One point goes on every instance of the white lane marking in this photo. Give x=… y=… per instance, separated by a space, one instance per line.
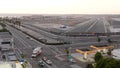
x=81 y=24
x=21 y=40
x=59 y=58
x=91 y=27
x=56 y=49
x=75 y=66
x=105 y=26
x=18 y=53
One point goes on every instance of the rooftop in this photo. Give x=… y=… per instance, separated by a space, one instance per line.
x=10 y=65
x=85 y=49
x=5 y=35
x=116 y=53
x=101 y=45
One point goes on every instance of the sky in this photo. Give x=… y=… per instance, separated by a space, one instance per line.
x=60 y=6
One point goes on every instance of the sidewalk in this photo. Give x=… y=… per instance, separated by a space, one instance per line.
x=79 y=57
x=28 y=65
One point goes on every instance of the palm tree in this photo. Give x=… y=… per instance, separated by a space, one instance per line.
x=98 y=39
x=22 y=56
x=18 y=23
x=109 y=40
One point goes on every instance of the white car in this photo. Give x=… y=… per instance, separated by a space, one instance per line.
x=34 y=55
x=31 y=39
x=72 y=60
x=28 y=37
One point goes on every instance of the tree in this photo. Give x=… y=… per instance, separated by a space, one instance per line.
x=98 y=39
x=98 y=56
x=109 y=52
x=109 y=40
x=108 y=63
x=90 y=66
x=67 y=50
x=18 y=23
x=22 y=56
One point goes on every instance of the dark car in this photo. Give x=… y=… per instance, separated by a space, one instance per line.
x=3 y=56
x=41 y=63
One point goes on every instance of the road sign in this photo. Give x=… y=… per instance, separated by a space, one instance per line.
x=21 y=60
x=69 y=56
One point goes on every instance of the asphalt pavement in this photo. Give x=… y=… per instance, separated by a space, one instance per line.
x=25 y=46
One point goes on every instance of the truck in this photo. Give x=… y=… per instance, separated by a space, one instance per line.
x=37 y=51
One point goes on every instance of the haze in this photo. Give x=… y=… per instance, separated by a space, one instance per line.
x=60 y=6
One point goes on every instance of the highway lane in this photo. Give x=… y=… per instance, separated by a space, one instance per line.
x=59 y=38
x=106 y=24
x=91 y=26
x=65 y=38
x=80 y=39
x=82 y=27
x=98 y=27
x=22 y=45
x=22 y=36
x=88 y=42
x=77 y=26
x=49 y=52
x=69 y=39
x=34 y=43
x=38 y=30
x=115 y=22
x=41 y=34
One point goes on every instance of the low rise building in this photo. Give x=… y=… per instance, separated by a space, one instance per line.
x=10 y=65
x=116 y=53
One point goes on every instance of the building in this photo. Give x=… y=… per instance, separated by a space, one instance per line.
x=6 y=41
x=101 y=48
x=10 y=65
x=116 y=53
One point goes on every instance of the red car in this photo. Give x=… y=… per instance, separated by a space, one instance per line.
x=49 y=62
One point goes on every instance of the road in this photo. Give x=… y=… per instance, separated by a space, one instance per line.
x=37 y=33
x=98 y=27
x=94 y=25
x=82 y=27
x=25 y=46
